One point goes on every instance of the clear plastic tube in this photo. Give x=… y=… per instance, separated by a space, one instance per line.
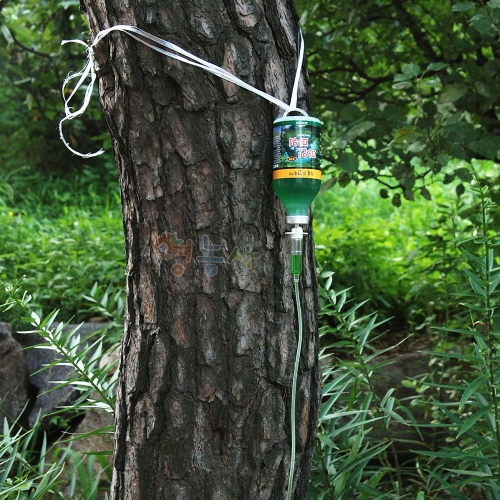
x=294 y=382
x=296 y=250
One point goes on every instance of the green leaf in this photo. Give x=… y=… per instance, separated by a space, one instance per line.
x=425 y=193
x=344 y=179
x=363 y=458
x=453 y=454
x=472 y=420
x=442 y=159
x=490 y=417
x=448 y=178
x=326 y=440
x=348 y=162
x=476 y=283
x=353 y=423
x=368 y=489
x=417 y=147
x=465 y=472
x=409 y=194
x=35 y=318
x=449 y=488
x=463 y=7
x=471 y=389
x=395 y=416
x=484 y=89
x=402 y=134
x=325 y=186
x=437 y=66
x=452 y=93
x=482 y=23
x=411 y=69
x=401 y=171
x=482 y=441
x=402 y=85
x=400 y=77
x=350 y=113
x=368 y=174
x=487 y=147
x=6 y=34
x=463 y=174
x=358 y=130
x=493 y=4
x=412 y=419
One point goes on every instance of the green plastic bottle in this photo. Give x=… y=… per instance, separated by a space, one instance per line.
x=297 y=164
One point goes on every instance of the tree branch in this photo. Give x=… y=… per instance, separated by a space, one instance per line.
x=26 y=48
x=415 y=30
x=354 y=96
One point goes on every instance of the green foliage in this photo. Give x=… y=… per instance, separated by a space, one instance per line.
x=63 y=234
x=403 y=88
x=459 y=394
x=408 y=95
x=471 y=460
x=33 y=65
x=359 y=237
x=33 y=472
x=433 y=270
x=91 y=380
x=404 y=260
x=349 y=461
x=24 y=476
x=109 y=306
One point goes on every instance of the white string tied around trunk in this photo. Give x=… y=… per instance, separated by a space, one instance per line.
x=170 y=50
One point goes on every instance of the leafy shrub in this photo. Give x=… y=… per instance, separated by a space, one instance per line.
x=460 y=394
x=62 y=235
x=405 y=260
x=31 y=471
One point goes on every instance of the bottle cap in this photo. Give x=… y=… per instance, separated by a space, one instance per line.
x=297 y=219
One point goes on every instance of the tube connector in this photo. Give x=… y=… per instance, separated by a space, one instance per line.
x=297 y=233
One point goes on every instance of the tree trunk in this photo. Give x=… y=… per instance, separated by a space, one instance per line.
x=203 y=403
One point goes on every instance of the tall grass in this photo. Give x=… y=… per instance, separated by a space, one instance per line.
x=457 y=447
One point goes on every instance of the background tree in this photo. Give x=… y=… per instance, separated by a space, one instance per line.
x=207 y=357
x=33 y=65
x=406 y=89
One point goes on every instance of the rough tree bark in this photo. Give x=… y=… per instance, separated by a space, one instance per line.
x=208 y=351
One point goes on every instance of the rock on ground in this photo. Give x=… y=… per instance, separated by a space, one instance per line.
x=14 y=385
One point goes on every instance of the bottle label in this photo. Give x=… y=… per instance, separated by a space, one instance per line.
x=297 y=146
x=294 y=173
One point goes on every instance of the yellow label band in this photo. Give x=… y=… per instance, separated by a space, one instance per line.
x=297 y=173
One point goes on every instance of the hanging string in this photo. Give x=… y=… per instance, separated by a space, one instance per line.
x=170 y=50
x=295 y=90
